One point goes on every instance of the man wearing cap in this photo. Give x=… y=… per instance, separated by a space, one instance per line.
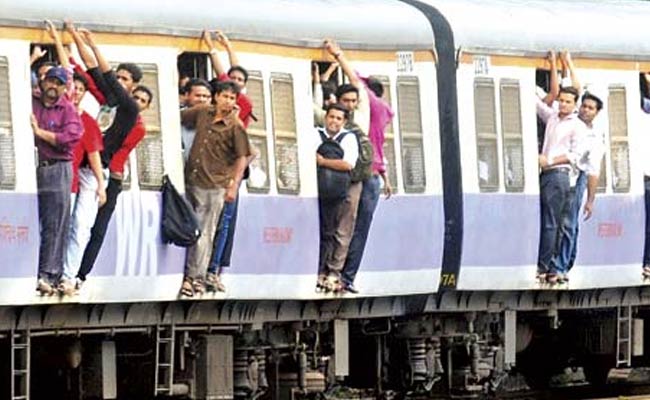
x=57 y=129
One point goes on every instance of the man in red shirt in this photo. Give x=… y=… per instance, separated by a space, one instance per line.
x=88 y=187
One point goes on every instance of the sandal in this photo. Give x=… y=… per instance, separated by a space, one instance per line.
x=213 y=283
x=198 y=286
x=186 y=288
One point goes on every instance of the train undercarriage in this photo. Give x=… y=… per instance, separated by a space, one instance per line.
x=358 y=348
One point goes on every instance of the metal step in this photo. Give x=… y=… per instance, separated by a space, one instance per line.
x=165 y=341
x=20 y=365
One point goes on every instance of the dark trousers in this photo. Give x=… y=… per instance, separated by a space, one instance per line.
x=53 y=184
x=367 y=205
x=646 y=248
x=225 y=234
x=554 y=195
x=98 y=232
x=329 y=215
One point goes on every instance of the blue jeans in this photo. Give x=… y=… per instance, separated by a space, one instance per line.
x=224 y=229
x=367 y=205
x=646 y=249
x=571 y=223
x=554 y=195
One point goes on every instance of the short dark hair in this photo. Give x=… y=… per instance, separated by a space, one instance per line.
x=80 y=78
x=594 y=98
x=345 y=88
x=134 y=70
x=228 y=86
x=196 y=82
x=376 y=86
x=572 y=91
x=146 y=90
x=338 y=107
x=240 y=69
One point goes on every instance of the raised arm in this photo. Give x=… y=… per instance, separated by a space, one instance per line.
x=335 y=51
x=89 y=39
x=328 y=73
x=567 y=65
x=225 y=42
x=37 y=53
x=86 y=55
x=554 y=90
x=217 y=67
x=58 y=44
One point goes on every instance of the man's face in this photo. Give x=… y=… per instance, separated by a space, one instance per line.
x=79 y=92
x=199 y=94
x=567 y=103
x=225 y=101
x=125 y=79
x=52 y=88
x=238 y=78
x=588 y=110
x=334 y=121
x=142 y=99
x=350 y=100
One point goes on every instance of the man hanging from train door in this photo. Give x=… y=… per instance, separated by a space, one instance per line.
x=584 y=174
x=354 y=97
x=645 y=106
x=223 y=242
x=122 y=127
x=57 y=129
x=563 y=137
x=336 y=154
x=213 y=173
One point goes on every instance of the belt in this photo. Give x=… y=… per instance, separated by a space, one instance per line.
x=48 y=163
x=555 y=171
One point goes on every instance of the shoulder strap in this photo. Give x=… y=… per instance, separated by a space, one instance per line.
x=323 y=136
x=340 y=137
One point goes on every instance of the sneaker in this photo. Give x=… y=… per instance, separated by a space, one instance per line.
x=78 y=283
x=44 y=287
x=66 y=287
x=350 y=288
x=646 y=271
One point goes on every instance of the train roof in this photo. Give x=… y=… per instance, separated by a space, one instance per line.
x=359 y=24
x=588 y=28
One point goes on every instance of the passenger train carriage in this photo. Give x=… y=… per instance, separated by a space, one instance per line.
x=451 y=257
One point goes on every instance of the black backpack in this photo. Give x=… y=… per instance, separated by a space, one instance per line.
x=179 y=224
x=332 y=184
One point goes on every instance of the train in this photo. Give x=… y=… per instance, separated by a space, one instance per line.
x=447 y=284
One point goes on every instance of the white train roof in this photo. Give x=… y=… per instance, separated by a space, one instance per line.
x=588 y=28
x=360 y=24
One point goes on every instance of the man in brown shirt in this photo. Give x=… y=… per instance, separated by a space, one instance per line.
x=213 y=172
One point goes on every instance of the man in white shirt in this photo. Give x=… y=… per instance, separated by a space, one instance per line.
x=331 y=210
x=561 y=148
x=587 y=171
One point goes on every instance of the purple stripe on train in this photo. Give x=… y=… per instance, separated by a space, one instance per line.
x=275 y=235
x=503 y=230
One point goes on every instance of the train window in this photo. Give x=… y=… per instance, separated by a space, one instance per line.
x=512 y=145
x=284 y=132
x=486 y=135
x=7 y=157
x=389 y=143
x=619 y=148
x=258 y=180
x=410 y=126
x=149 y=151
x=192 y=65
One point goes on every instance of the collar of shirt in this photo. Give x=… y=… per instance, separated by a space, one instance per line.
x=60 y=102
x=227 y=120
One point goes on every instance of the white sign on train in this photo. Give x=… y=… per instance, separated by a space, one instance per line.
x=405 y=60
x=481 y=65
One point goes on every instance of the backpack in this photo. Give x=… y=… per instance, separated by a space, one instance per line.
x=179 y=224
x=332 y=184
x=363 y=168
